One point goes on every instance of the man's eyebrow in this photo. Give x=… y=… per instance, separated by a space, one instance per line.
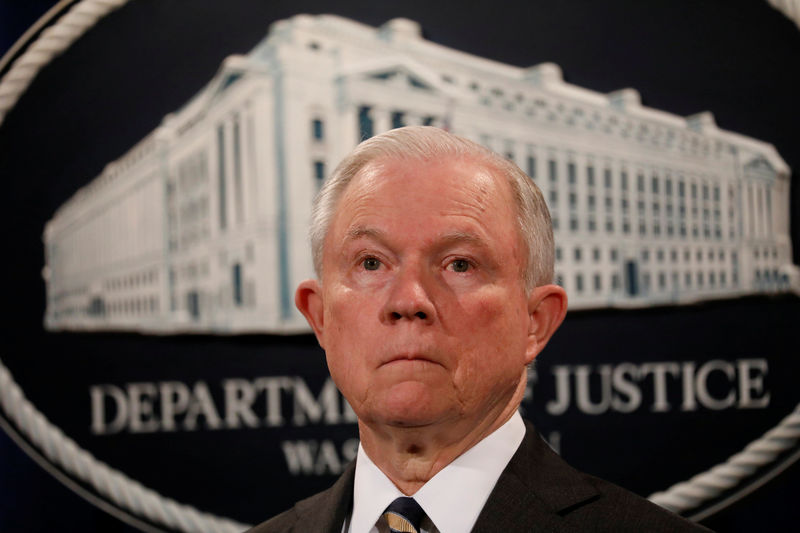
x=360 y=232
x=458 y=237
x=453 y=237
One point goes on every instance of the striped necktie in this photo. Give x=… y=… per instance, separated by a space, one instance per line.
x=404 y=515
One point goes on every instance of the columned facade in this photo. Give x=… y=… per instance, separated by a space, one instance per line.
x=202 y=225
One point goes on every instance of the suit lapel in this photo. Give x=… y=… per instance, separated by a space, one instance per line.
x=532 y=494
x=534 y=491
x=327 y=511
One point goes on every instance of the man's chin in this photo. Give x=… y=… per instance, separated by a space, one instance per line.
x=411 y=406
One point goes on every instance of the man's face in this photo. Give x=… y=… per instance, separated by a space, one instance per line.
x=422 y=310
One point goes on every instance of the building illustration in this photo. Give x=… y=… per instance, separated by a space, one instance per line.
x=202 y=225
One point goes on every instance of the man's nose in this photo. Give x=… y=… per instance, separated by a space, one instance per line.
x=409 y=297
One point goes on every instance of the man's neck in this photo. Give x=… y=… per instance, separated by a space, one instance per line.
x=410 y=457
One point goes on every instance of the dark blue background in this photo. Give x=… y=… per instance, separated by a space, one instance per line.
x=740 y=59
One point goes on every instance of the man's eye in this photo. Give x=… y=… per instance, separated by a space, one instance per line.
x=459 y=265
x=370 y=263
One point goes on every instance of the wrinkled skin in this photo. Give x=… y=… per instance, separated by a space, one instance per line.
x=422 y=311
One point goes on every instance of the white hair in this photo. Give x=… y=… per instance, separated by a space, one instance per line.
x=426 y=143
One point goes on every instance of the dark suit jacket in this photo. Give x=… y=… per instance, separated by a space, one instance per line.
x=537 y=492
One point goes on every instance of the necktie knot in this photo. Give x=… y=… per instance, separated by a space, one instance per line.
x=404 y=515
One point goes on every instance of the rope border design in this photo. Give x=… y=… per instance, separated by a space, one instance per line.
x=52 y=42
x=112 y=484
x=723 y=477
x=134 y=497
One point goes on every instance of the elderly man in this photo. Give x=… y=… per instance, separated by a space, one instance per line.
x=435 y=260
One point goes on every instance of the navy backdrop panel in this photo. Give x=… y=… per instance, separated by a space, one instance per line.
x=738 y=59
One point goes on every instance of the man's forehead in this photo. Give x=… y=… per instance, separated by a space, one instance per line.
x=474 y=173
x=470 y=191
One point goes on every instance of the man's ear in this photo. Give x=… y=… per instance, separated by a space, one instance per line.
x=547 y=306
x=308 y=299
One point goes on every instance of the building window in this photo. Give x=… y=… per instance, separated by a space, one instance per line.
x=559 y=253
x=552 y=170
x=317 y=129
x=366 y=125
x=532 y=167
x=598 y=283
x=613 y=254
x=553 y=198
x=571 y=173
x=398 y=119
x=237 y=171
x=579 y=282
x=237 y=285
x=319 y=172
x=590 y=175
x=223 y=217
x=577 y=254
x=607 y=177
x=596 y=254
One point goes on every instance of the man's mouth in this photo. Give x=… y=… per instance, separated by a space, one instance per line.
x=410 y=357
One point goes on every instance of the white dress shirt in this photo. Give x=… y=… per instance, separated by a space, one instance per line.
x=452 y=499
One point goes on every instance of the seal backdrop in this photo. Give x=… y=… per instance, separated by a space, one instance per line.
x=215 y=410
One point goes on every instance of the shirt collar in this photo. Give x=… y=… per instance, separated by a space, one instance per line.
x=454 y=497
